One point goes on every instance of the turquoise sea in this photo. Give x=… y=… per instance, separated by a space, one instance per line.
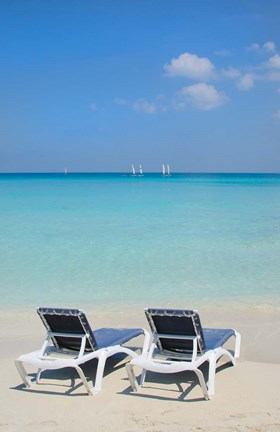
x=118 y=240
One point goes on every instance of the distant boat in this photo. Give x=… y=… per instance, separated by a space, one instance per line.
x=168 y=170
x=65 y=171
x=140 y=170
x=163 y=170
x=133 y=170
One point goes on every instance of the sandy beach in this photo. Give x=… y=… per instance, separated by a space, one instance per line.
x=140 y=168
x=247 y=396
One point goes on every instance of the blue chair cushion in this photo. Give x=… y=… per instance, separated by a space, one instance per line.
x=106 y=337
x=215 y=338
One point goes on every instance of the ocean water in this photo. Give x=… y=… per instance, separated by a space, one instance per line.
x=117 y=240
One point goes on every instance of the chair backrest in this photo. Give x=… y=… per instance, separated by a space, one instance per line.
x=176 y=322
x=67 y=321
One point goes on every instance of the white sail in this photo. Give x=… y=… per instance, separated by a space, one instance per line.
x=140 y=170
x=163 y=170
x=133 y=170
x=168 y=170
x=65 y=171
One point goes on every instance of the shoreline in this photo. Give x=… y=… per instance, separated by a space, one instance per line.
x=261 y=302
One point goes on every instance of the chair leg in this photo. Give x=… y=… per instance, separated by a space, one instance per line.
x=131 y=377
x=237 y=344
x=38 y=376
x=211 y=374
x=100 y=372
x=84 y=380
x=24 y=375
x=221 y=351
x=202 y=383
x=143 y=377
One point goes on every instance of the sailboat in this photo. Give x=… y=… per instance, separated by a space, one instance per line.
x=168 y=170
x=140 y=170
x=133 y=170
x=65 y=171
x=163 y=169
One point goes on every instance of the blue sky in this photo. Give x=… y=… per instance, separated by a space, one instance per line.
x=98 y=85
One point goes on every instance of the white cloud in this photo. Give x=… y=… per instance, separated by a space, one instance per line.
x=277 y=115
x=269 y=46
x=231 y=72
x=145 y=106
x=245 y=82
x=274 y=62
x=272 y=76
x=190 y=66
x=203 y=96
x=120 y=101
x=254 y=47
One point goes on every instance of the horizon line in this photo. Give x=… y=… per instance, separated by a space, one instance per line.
x=146 y=172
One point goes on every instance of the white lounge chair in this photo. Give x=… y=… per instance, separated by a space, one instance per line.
x=181 y=344
x=70 y=342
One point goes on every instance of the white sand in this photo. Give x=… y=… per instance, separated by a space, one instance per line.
x=247 y=396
